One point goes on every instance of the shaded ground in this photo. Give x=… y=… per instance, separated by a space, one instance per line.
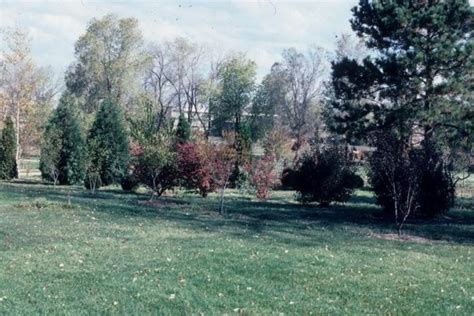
x=116 y=252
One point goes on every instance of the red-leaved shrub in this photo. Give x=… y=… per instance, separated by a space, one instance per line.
x=194 y=167
x=263 y=176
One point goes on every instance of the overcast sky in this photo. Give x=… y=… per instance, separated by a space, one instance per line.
x=261 y=28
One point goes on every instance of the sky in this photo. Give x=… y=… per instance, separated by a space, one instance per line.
x=260 y=28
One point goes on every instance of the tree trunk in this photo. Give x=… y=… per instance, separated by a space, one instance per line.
x=17 y=123
x=237 y=125
x=221 y=201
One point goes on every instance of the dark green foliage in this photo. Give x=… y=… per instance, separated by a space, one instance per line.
x=323 y=176
x=8 y=165
x=63 y=147
x=183 y=130
x=418 y=75
x=437 y=188
x=243 y=148
x=400 y=175
x=107 y=145
x=130 y=182
x=418 y=81
x=243 y=141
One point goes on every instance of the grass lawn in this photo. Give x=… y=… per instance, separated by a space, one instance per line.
x=113 y=252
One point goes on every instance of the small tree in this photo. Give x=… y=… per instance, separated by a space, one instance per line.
x=263 y=176
x=277 y=143
x=92 y=180
x=222 y=164
x=323 y=176
x=108 y=144
x=409 y=181
x=394 y=178
x=243 y=148
x=63 y=149
x=157 y=167
x=50 y=157
x=8 y=164
x=183 y=130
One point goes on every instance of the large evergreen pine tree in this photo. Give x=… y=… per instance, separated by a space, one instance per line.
x=63 y=147
x=108 y=144
x=419 y=75
x=8 y=165
x=416 y=86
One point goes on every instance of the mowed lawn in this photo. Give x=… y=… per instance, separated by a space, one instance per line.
x=115 y=253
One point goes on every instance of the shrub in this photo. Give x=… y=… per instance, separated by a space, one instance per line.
x=437 y=189
x=323 y=176
x=243 y=147
x=130 y=182
x=222 y=159
x=410 y=181
x=183 y=130
x=92 y=180
x=262 y=176
x=156 y=167
x=8 y=165
x=394 y=178
x=107 y=144
x=194 y=167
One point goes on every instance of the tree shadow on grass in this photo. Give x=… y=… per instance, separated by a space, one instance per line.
x=245 y=218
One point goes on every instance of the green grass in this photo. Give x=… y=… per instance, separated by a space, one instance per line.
x=113 y=253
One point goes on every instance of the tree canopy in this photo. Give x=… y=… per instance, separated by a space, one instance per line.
x=418 y=75
x=108 y=57
x=237 y=83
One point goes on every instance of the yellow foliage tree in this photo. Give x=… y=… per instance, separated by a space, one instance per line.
x=26 y=92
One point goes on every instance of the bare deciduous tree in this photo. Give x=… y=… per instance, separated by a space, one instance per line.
x=181 y=77
x=303 y=86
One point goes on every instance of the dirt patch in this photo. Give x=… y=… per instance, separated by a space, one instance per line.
x=408 y=238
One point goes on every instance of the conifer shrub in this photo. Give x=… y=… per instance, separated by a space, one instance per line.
x=62 y=157
x=107 y=145
x=8 y=164
x=183 y=130
x=323 y=176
